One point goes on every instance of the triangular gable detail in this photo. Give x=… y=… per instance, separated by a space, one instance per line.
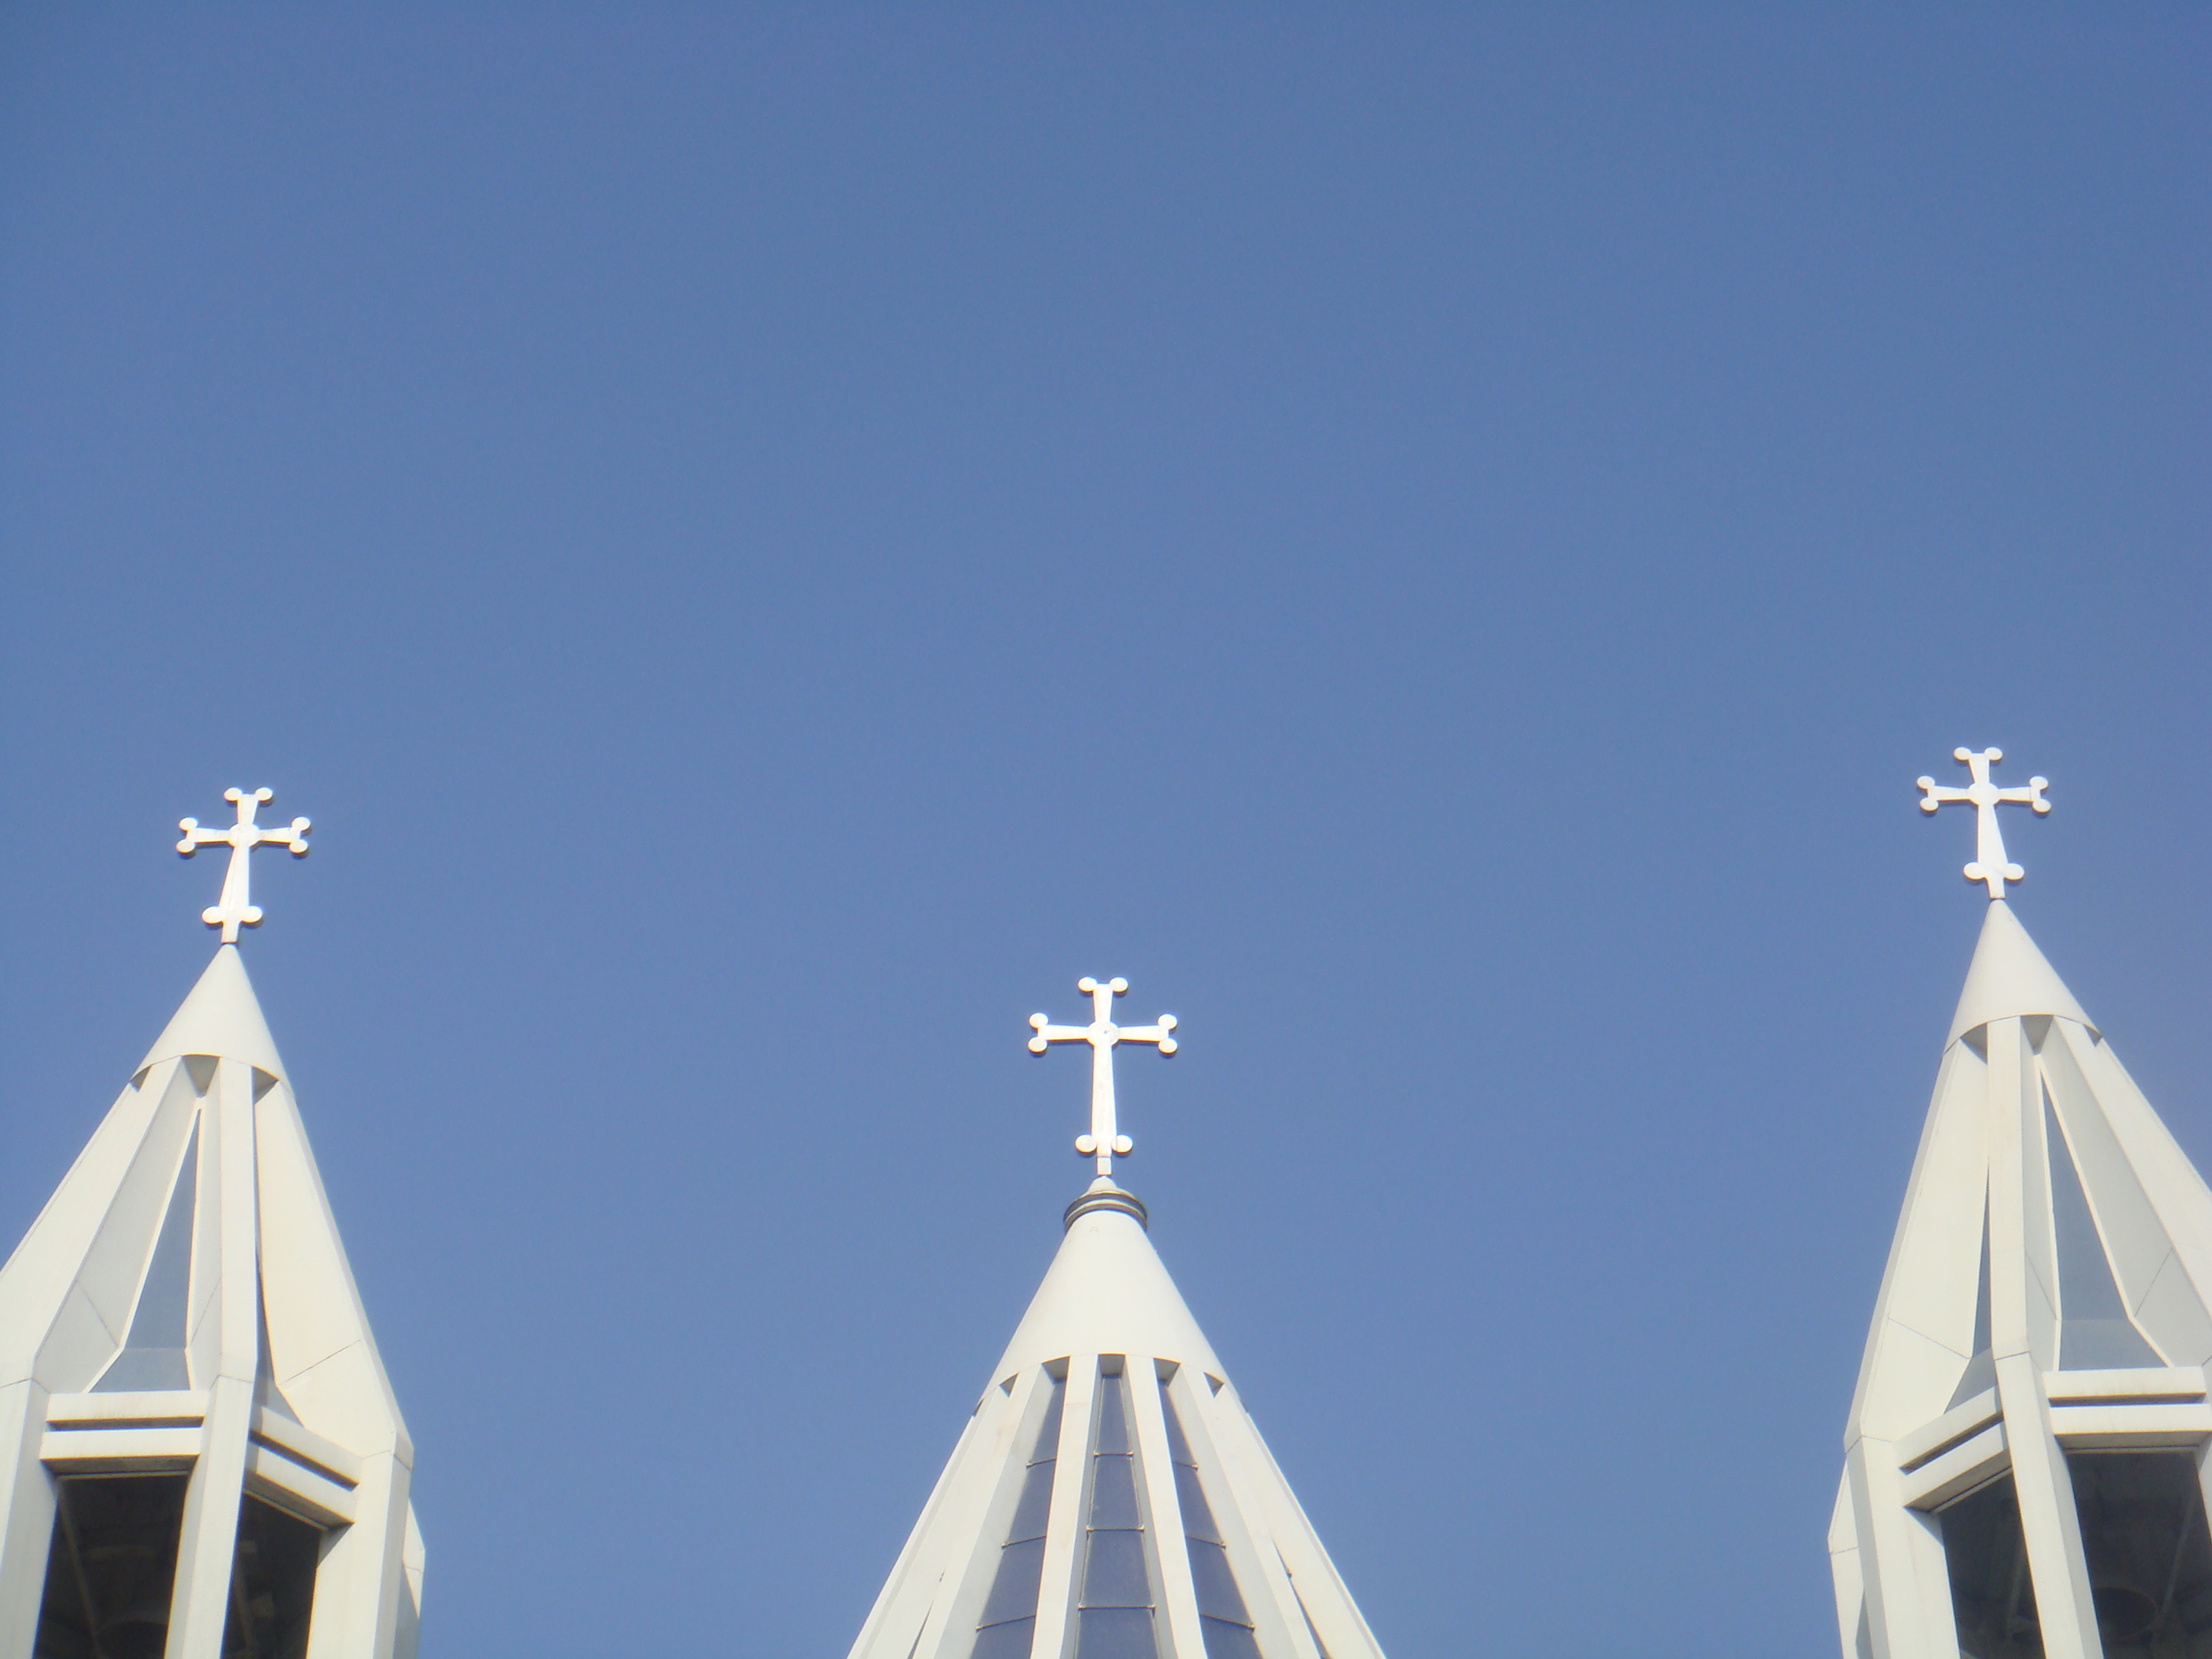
x=152 y=1354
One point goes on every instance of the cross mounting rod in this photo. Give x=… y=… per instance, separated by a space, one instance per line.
x=1105 y=1142
x=235 y=908
x=1990 y=865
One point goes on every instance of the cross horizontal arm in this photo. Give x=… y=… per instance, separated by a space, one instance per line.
x=1049 y=1033
x=1163 y=1034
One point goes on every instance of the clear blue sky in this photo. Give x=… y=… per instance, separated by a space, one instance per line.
x=1434 y=542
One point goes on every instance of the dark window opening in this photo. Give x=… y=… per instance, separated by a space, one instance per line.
x=2144 y=1540
x=272 y=1584
x=2148 y=1552
x=1992 y=1602
x=112 y=1567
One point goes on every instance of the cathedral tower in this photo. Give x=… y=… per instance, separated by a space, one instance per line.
x=2027 y=1448
x=200 y=1454
x=1110 y=1498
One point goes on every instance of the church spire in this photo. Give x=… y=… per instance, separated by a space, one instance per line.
x=2022 y=1454
x=1109 y=1498
x=200 y=1453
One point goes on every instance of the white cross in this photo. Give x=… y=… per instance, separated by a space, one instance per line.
x=234 y=909
x=1105 y=1141
x=1989 y=863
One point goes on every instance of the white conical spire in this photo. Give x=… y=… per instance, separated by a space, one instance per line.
x=182 y=1313
x=2021 y=1470
x=2009 y=978
x=1109 y=1498
x=220 y=1016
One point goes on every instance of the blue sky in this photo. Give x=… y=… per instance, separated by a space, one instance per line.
x=1435 y=542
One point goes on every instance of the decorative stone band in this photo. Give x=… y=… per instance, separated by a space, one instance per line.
x=1110 y=1198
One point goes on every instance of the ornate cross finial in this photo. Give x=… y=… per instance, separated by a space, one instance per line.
x=1989 y=863
x=234 y=909
x=1105 y=1141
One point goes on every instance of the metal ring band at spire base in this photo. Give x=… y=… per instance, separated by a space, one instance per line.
x=1111 y=1198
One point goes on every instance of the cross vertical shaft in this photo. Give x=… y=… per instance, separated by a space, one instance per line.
x=1105 y=1142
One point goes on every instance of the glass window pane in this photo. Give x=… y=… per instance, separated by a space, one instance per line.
x=1114 y=1491
x=1114 y=1633
x=111 y=1565
x=1114 y=1576
x=1227 y=1641
x=1116 y=1597
x=1197 y=1515
x=1215 y=1584
x=1113 y=1417
x=2094 y=1331
x=1218 y=1598
x=1014 y=1588
x=1013 y=1598
x=1034 y=1504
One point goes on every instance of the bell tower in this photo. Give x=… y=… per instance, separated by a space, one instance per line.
x=2029 y=1448
x=200 y=1454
